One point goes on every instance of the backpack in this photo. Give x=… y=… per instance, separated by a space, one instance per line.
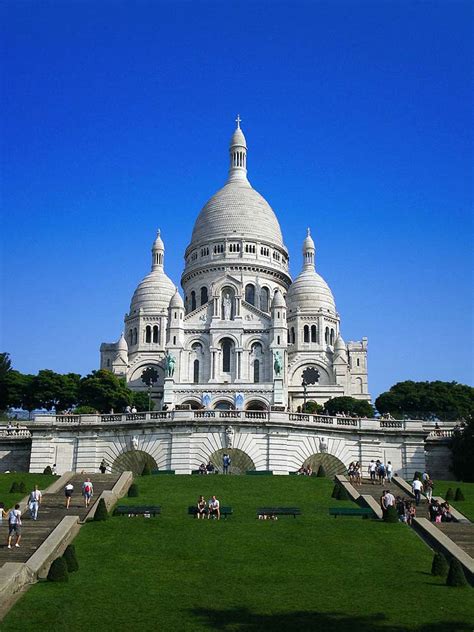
x=87 y=488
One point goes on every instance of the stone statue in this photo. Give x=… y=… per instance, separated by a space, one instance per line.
x=229 y=436
x=323 y=445
x=278 y=363
x=227 y=304
x=170 y=361
x=134 y=442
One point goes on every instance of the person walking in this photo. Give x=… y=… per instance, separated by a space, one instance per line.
x=103 y=466
x=68 y=493
x=34 y=502
x=14 y=526
x=389 y=471
x=372 y=469
x=417 y=486
x=87 y=491
x=226 y=463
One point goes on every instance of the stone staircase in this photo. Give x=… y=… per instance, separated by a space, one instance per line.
x=51 y=512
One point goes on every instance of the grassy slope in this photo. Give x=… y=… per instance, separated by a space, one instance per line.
x=177 y=573
x=465 y=506
x=6 y=480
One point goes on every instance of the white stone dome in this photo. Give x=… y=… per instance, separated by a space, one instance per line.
x=176 y=300
x=237 y=210
x=154 y=293
x=309 y=292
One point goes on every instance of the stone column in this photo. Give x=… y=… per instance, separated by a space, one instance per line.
x=278 y=451
x=181 y=450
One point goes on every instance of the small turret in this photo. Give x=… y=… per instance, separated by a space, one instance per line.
x=158 y=253
x=238 y=154
x=176 y=321
x=309 y=251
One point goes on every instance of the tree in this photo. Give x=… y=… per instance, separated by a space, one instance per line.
x=141 y=401
x=349 y=405
x=47 y=386
x=313 y=408
x=19 y=391
x=5 y=368
x=104 y=391
x=428 y=400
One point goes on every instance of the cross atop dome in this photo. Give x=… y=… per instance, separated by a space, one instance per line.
x=238 y=120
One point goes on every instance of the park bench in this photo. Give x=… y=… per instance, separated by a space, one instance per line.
x=279 y=511
x=225 y=511
x=143 y=510
x=365 y=512
x=156 y=472
x=259 y=472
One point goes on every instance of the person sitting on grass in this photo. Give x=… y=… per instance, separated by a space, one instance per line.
x=210 y=468
x=214 y=508
x=202 y=469
x=201 y=508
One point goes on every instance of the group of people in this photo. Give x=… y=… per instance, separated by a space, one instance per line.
x=379 y=471
x=305 y=471
x=210 y=468
x=208 y=509
x=87 y=491
x=354 y=471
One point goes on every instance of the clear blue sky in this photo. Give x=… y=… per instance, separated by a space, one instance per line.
x=116 y=118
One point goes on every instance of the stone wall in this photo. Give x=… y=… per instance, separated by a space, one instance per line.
x=15 y=455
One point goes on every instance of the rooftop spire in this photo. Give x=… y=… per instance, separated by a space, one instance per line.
x=308 y=251
x=238 y=154
x=157 y=252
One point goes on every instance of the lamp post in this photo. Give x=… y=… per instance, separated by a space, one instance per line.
x=150 y=386
x=304 y=385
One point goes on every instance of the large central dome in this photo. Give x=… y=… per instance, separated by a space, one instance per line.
x=237 y=210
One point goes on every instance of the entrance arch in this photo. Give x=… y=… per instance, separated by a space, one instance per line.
x=223 y=404
x=332 y=465
x=133 y=461
x=240 y=461
x=256 y=404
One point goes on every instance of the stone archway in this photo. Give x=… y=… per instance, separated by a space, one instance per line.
x=240 y=461
x=331 y=464
x=133 y=461
x=256 y=404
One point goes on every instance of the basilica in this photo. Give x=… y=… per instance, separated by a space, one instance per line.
x=245 y=335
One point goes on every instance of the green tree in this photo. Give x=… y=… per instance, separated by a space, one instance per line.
x=313 y=408
x=141 y=402
x=5 y=368
x=350 y=405
x=428 y=400
x=19 y=391
x=104 y=391
x=47 y=386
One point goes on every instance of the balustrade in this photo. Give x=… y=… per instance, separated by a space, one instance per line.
x=68 y=419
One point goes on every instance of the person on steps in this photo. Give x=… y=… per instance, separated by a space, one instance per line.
x=34 y=502
x=87 y=491
x=14 y=526
x=68 y=493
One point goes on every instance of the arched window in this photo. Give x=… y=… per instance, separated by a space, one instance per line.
x=204 y=297
x=250 y=294
x=148 y=333
x=278 y=340
x=332 y=337
x=174 y=340
x=196 y=372
x=326 y=335
x=226 y=350
x=306 y=333
x=313 y=333
x=193 y=301
x=135 y=336
x=358 y=362
x=256 y=371
x=130 y=336
x=264 y=299
x=108 y=362
x=156 y=334
x=293 y=336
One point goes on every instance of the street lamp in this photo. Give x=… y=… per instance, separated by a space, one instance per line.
x=150 y=386
x=304 y=384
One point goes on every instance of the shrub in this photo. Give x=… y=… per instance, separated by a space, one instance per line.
x=343 y=495
x=459 y=495
x=58 y=571
x=133 y=491
x=449 y=494
x=14 y=488
x=101 y=512
x=48 y=470
x=84 y=410
x=71 y=559
x=146 y=470
x=22 y=487
x=390 y=515
x=335 y=491
x=456 y=575
x=417 y=475
x=440 y=565
x=321 y=472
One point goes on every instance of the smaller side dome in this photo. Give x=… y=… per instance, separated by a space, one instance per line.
x=158 y=243
x=122 y=344
x=340 y=345
x=308 y=243
x=176 y=301
x=278 y=300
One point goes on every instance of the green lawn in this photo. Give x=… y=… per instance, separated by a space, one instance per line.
x=310 y=573
x=466 y=506
x=42 y=480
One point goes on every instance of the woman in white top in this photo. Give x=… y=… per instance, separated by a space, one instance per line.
x=14 y=526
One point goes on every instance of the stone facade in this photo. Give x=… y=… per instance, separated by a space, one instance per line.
x=246 y=335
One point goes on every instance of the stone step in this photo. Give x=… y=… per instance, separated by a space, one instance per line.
x=51 y=512
x=461 y=534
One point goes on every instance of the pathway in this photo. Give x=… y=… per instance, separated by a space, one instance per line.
x=51 y=512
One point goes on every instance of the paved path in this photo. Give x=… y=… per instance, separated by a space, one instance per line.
x=51 y=512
